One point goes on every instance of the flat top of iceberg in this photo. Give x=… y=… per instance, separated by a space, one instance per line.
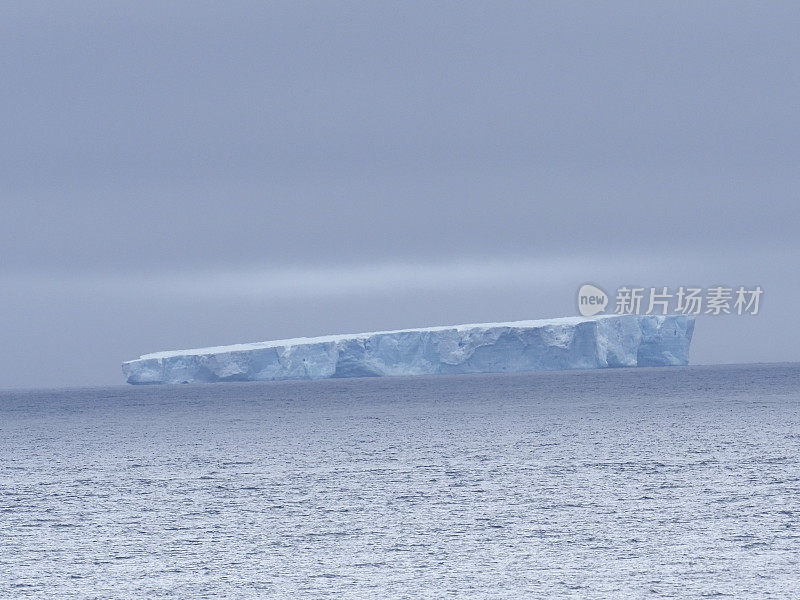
x=350 y=336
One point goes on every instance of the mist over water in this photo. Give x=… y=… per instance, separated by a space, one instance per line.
x=672 y=482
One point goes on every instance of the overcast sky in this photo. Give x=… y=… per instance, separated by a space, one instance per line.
x=181 y=174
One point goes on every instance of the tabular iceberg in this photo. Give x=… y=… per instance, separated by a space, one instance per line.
x=566 y=343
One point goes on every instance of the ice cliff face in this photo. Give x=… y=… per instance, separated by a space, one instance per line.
x=568 y=343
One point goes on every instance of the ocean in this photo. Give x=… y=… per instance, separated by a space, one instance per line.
x=629 y=483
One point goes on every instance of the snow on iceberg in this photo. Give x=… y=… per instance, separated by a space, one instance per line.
x=566 y=343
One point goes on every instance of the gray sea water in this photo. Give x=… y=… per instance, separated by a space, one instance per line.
x=634 y=483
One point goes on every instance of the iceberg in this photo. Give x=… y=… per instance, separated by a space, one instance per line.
x=599 y=342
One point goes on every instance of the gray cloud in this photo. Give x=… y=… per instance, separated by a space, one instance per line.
x=176 y=174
